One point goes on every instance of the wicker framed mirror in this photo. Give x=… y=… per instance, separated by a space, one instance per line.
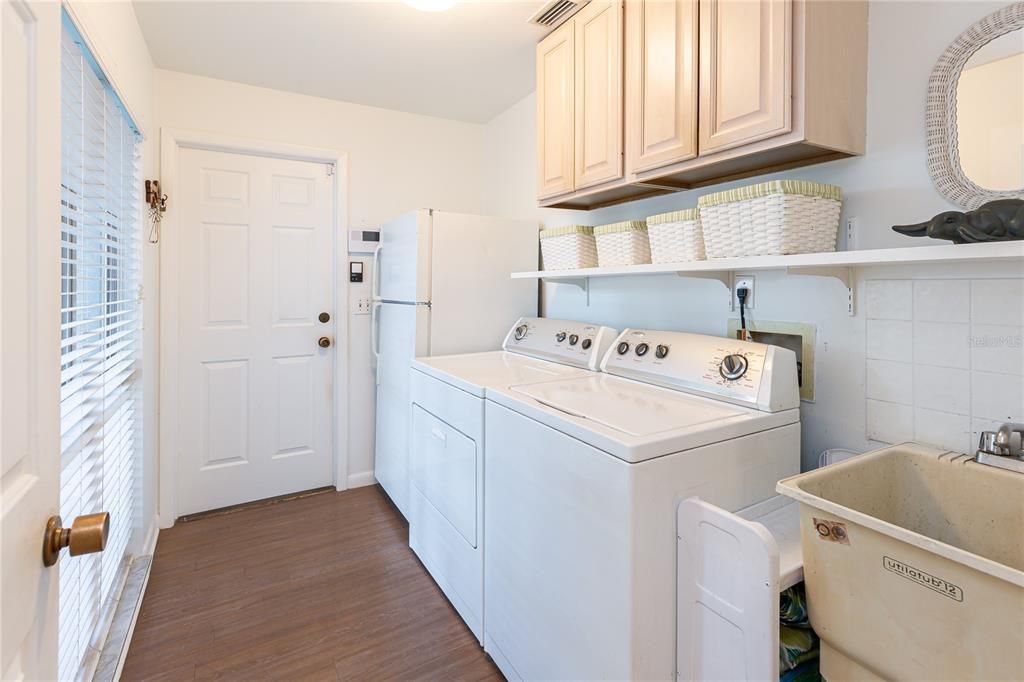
x=991 y=150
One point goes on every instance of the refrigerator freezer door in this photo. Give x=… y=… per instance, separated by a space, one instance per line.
x=404 y=259
x=473 y=298
x=404 y=335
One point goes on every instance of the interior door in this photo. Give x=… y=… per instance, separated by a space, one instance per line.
x=255 y=275
x=598 y=109
x=746 y=57
x=29 y=334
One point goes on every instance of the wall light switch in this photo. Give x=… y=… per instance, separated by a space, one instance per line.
x=362 y=306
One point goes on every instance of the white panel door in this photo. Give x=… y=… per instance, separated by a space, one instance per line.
x=255 y=388
x=29 y=334
x=402 y=261
x=402 y=336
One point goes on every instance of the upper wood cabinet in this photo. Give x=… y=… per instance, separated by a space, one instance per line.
x=555 y=118
x=598 y=28
x=661 y=82
x=715 y=90
x=746 y=49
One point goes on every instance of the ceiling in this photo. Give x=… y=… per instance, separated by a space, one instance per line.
x=468 y=63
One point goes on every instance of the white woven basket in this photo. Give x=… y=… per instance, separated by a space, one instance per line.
x=623 y=243
x=676 y=237
x=771 y=219
x=568 y=248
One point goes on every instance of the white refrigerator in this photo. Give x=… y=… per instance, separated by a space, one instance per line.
x=441 y=285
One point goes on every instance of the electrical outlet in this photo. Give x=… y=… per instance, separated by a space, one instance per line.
x=362 y=306
x=743 y=282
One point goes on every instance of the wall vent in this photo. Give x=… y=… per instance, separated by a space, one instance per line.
x=554 y=12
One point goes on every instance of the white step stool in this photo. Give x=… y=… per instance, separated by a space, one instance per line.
x=731 y=569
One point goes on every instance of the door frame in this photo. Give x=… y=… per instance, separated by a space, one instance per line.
x=172 y=141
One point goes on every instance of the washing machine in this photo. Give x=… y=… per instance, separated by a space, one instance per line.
x=448 y=445
x=583 y=478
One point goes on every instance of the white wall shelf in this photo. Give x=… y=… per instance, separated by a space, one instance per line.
x=837 y=264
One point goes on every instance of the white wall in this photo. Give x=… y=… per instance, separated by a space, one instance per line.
x=888 y=185
x=116 y=40
x=397 y=162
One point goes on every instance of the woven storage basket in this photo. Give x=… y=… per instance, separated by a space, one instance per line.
x=771 y=219
x=568 y=248
x=623 y=243
x=676 y=237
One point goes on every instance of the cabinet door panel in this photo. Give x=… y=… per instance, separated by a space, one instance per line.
x=661 y=68
x=555 y=102
x=745 y=71
x=598 y=29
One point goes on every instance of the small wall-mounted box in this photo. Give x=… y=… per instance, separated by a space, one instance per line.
x=363 y=241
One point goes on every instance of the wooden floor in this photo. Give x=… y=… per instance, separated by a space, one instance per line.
x=318 y=588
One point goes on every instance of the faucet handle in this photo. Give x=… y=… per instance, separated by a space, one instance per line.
x=987 y=443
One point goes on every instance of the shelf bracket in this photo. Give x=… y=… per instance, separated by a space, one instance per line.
x=582 y=282
x=843 y=274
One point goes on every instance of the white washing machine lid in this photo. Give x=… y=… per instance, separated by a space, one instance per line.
x=476 y=372
x=635 y=421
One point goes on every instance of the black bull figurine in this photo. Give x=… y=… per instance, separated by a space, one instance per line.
x=997 y=221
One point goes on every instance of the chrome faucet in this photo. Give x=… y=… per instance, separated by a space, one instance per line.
x=997 y=448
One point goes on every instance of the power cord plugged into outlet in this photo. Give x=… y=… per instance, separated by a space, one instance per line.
x=741 y=296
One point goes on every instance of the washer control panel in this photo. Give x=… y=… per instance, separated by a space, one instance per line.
x=571 y=343
x=741 y=372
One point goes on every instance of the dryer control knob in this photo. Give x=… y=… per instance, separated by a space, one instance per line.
x=733 y=367
x=520 y=332
x=622 y=348
x=559 y=337
x=573 y=339
x=641 y=349
x=587 y=343
x=661 y=351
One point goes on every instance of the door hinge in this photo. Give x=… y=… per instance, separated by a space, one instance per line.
x=330 y=169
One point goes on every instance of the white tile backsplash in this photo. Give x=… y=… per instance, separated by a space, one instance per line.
x=997 y=348
x=997 y=301
x=942 y=300
x=945 y=359
x=892 y=382
x=889 y=299
x=889 y=422
x=890 y=340
x=942 y=344
x=942 y=388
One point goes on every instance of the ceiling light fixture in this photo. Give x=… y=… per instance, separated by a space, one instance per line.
x=431 y=5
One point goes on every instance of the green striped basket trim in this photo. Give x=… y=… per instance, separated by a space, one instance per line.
x=674 y=216
x=564 y=230
x=764 y=189
x=624 y=226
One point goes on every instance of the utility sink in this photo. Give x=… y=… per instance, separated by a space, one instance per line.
x=914 y=565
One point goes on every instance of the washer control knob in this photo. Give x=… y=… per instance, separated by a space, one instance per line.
x=641 y=349
x=733 y=367
x=560 y=336
x=573 y=339
x=520 y=332
x=587 y=343
x=661 y=351
x=622 y=348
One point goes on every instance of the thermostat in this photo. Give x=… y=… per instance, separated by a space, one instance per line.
x=355 y=271
x=363 y=241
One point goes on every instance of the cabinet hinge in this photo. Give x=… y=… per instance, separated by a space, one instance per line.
x=330 y=169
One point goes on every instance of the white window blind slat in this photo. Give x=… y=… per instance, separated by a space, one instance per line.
x=100 y=344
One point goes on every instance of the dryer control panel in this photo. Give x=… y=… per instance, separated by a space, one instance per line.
x=571 y=343
x=740 y=372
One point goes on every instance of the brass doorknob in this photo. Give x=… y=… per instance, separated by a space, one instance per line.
x=88 y=534
x=324 y=342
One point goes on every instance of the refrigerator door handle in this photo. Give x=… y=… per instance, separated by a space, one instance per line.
x=374 y=337
x=375 y=282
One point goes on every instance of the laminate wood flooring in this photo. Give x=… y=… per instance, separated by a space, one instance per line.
x=322 y=587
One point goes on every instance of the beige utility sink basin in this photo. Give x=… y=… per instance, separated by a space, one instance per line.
x=914 y=565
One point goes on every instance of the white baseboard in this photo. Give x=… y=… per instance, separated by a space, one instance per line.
x=363 y=478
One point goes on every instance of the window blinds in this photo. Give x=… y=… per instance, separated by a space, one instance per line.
x=99 y=404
